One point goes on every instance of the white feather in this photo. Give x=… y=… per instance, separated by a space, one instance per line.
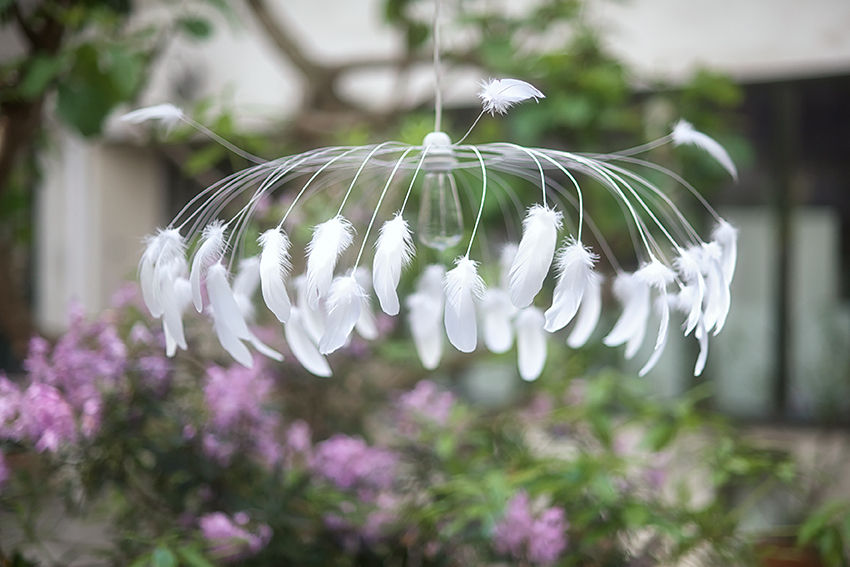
x=464 y=287
x=313 y=319
x=274 y=267
x=727 y=237
x=684 y=133
x=345 y=300
x=662 y=305
x=702 y=337
x=688 y=265
x=209 y=252
x=498 y=95
x=588 y=312
x=425 y=319
x=393 y=252
x=425 y=316
x=230 y=325
x=575 y=269
x=329 y=240
x=163 y=250
x=366 y=326
x=167 y=114
x=717 y=298
x=633 y=293
x=497 y=313
x=530 y=343
x=534 y=254
x=245 y=285
x=169 y=298
x=302 y=346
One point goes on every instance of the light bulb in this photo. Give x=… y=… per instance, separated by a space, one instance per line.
x=440 y=219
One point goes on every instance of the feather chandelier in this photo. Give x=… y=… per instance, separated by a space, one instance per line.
x=351 y=270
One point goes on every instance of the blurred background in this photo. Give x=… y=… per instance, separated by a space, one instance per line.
x=769 y=79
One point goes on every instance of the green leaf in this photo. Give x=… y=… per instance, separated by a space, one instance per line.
x=198 y=28
x=192 y=557
x=163 y=557
x=41 y=70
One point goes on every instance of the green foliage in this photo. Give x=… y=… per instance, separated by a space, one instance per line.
x=828 y=530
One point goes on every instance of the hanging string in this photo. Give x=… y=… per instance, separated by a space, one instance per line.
x=438 y=95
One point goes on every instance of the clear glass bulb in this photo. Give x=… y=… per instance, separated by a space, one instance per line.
x=440 y=219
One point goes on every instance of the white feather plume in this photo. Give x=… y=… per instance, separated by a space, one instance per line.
x=662 y=306
x=726 y=236
x=684 y=133
x=245 y=285
x=702 y=337
x=313 y=319
x=589 y=311
x=209 y=252
x=345 y=300
x=497 y=313
x=274 y=267
x=534 y=254
x=366 y=326
x=393 y=252
x=498 y=95
x=229 y=323
x=688 y=265
x=575 y=269
x=166 y=249
x=633 y=293
x=464 y=287
x=425 y=316
x=717 y=298
x=531 y=343
x=171 y=302
x=167 y=114
x=302 y=346
x=330 y=239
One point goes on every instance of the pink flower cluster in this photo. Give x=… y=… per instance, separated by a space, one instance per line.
x=539 y=538
x=425 y=403
x=236 y=398
x=229 y=538
x=350 y=463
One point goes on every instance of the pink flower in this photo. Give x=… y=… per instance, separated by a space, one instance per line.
x=46 y=418
x=229 y=539
x=537 y=538
x=426 y=402
x=348 y=462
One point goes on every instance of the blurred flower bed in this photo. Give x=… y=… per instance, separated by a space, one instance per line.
x=198 y=461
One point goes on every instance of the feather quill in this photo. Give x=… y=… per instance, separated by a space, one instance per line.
x=302 y=346
x=274 y=267
x=498 y=95
x=685 y=134
x=575 y=269
x=330 y=239
x=209 y=252
x=464 y=287
x=345 y=301
x=531 y=343
x=393 y=252
x=534 y=254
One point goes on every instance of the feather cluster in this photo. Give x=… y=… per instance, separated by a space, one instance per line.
x=326 y=302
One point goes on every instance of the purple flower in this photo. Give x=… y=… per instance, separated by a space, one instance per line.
x=537 y=538
x=426 y=402
x=348 y=462
x=10 y=405
x=229 y=539
x=236 y=398
x=155 y=372
x=46 y=418
x=236 y=395
x=298 y=444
